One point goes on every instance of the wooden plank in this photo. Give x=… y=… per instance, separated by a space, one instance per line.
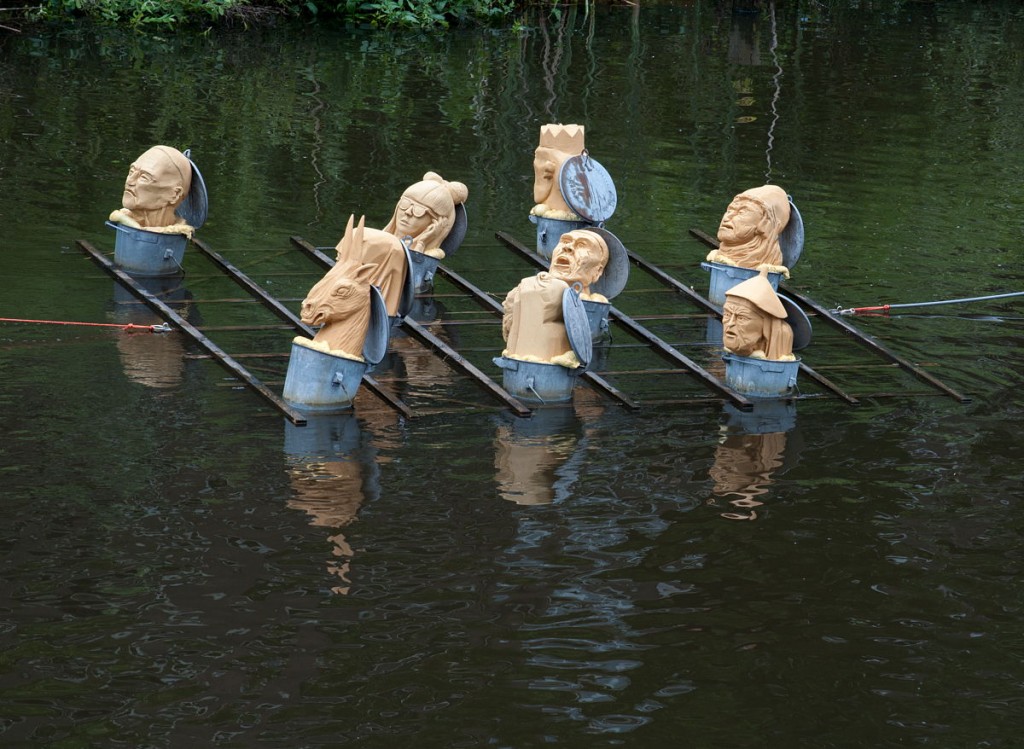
x=275 y=306
x=639 y=331
x=592 y=378
x=452 y=357
x=432 y=341
x=868 y=341
x=172 y=317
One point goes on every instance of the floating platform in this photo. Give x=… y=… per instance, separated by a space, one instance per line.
x=457 y=328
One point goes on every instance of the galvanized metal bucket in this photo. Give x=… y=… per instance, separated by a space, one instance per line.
x=422 y=268
x=148 y=253
x=760 y=378
x=537 y=382
x=550 y=230
x=597 y=316
x=724 y=277
x=318 y=381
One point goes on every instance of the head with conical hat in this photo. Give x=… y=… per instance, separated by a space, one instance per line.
x=754 y=320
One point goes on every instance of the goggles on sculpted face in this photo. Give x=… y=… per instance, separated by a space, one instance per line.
x=405 y=205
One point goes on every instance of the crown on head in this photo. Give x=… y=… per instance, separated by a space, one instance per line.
x=566 y=138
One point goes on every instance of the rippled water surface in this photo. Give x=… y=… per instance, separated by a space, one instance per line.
x=182 y=564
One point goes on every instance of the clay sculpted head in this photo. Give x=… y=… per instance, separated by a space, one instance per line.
x=754 y=321
x=533 y=326
x=380 y=249
x=339 y=304
x=579 y=257
x=748 y=235
x=426 y=212
x=558 y=143
x=157 y=183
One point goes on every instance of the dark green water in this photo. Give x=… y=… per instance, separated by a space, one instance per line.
x=182 y=567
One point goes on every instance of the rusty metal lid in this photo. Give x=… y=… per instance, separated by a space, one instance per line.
x=577 y=325
x=379 y=332
x=791 y=240
x=587 y=188
x=195 y=206
x=798 y=321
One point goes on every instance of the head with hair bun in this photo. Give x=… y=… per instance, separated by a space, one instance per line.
x=426 y=211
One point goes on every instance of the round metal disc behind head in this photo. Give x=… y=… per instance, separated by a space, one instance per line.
x=587 y=188
x=379 y=332
x=577 y=325
x=458 y=231
x=791 y=240
x=196 y=204
x=798 y=321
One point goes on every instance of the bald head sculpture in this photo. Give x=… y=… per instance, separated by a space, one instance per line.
x=157 y=183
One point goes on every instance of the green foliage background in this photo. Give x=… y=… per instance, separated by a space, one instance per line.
x=168 y=13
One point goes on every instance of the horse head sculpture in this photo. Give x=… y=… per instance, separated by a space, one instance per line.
x=339 y=303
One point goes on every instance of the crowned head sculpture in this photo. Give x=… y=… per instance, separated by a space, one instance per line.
x=157 y=184
x=557 y=144
x=748 y=235
x=426 y=212
x=754 y=321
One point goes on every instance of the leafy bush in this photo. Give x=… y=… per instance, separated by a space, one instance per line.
x=169 y=13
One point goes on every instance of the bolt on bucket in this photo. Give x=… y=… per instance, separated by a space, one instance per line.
x=760 y=378
x=422 y=267
x=537 y=382
x=597 y=316
x=724 y=277
x=550 y=230
x=318 y=381
x=148 y=253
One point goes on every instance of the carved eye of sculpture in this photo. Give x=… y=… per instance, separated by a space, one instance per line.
x=405 y=205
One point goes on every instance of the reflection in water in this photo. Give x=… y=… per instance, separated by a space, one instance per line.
x=333 y=472
x=155 y=360
x=751 y=451
x=537 y=460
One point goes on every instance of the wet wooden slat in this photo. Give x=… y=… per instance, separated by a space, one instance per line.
x=172 y=317
x=448 y=354
x=868 y=341
x=639 y=331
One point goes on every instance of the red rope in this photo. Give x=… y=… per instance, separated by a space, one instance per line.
x=124 y=326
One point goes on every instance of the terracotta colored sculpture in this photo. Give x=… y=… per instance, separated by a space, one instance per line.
x=340 y=301
x=533 y=326
x=158 y=181
x=557 y=143
x=749 y=233
x=754 y=321
x=580 y=257
x=381 y=250
x=426 y=212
